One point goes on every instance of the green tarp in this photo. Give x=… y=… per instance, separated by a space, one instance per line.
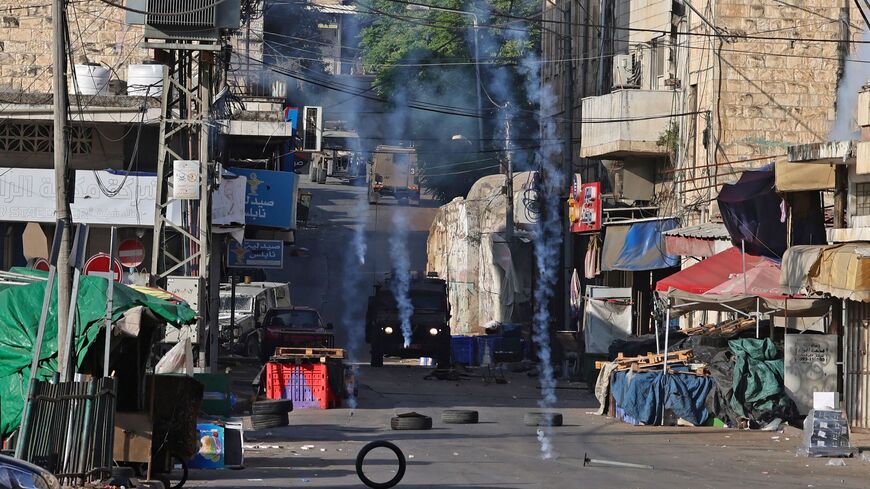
x=759 y=389
x=20 y=309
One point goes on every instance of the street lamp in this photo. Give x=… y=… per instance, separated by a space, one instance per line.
x=421 y=8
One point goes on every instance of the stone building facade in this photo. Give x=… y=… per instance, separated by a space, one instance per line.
x=97 y=33
x=702 y=91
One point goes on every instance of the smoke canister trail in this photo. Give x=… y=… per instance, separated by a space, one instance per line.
x=353 y=313
x=546 y=234
x=401 y=280
x=545 y=238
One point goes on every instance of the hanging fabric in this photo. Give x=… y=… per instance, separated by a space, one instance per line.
x=592 y=263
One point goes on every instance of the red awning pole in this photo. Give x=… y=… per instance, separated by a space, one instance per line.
x=743 y=257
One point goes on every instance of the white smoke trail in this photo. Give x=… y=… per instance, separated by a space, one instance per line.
x=856 y=74
x=401 y=280
x=546 y=234
x=353 y=313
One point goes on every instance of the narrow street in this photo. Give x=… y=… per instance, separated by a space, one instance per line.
x=317 y=280
x=501 y=452
x=319 y=447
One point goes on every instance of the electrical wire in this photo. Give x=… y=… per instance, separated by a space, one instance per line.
x=164 y=14
x=727 y=36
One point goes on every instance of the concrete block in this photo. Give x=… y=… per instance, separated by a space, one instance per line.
x=862 y=114
x=862 y=157
x=19 y=34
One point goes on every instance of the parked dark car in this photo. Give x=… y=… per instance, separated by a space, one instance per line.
x=430 y=331
x=18 y=474
x=291 y=327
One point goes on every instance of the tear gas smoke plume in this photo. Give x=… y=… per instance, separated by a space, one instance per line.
x=401 y=280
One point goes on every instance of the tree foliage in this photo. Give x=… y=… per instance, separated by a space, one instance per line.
x=428 y=57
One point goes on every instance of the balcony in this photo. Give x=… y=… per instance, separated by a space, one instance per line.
x=635 y=136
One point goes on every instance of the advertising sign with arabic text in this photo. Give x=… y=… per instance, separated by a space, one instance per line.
x=585 y=207
x=255 y=253
x=270 y=197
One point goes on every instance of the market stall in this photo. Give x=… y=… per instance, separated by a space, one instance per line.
x=712 y=371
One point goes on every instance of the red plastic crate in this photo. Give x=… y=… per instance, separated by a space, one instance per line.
x=307 y=385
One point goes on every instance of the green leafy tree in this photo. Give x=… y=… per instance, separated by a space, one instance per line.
x=428 y=57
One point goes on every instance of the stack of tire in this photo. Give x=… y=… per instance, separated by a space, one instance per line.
x=270 y=414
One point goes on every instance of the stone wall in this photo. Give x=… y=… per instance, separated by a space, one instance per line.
x=776 y=93
x=772 y=92
x=98 y=35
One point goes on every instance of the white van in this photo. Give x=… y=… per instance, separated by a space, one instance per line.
x=252 y=301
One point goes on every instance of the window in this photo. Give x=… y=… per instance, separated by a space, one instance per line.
x=15 y=478
x=243 y=304
x=862 y=199
x=23 y=137
x=297 y=319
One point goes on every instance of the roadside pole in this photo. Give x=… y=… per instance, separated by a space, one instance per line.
x=232 y=310
x=568 y=172
x=509 y=176
x=62 y=211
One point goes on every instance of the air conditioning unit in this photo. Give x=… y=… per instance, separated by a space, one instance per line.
x=312 y=128
x=185 y=20
x=623 y=71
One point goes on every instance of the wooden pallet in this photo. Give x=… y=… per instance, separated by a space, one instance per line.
x=727 y=327
x=302 y=359
x=648 y=360
x=284 y=351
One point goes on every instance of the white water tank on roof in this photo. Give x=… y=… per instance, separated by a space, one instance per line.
x=91 y=79
x=145 y=80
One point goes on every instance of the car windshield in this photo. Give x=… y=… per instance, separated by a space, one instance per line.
x=296 y=319
x=243 y=304
x=432 y=302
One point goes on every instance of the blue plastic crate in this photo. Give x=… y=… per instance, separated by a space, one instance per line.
x=462 y=349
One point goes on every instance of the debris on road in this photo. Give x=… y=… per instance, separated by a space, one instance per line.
x=612 y=463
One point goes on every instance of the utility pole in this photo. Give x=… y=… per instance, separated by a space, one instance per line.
x=509 y=176
x=567 y=169
x=62 y=210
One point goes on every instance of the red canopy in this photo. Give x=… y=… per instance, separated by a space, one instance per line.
x=762 y=280
x=709 y=273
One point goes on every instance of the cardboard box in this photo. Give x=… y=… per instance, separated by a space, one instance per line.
x=826 y=400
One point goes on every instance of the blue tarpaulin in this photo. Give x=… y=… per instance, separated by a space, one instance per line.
x=641 y=396
x=638 y=246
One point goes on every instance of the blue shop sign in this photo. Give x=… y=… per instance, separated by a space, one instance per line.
x=255 y=253
x=270 y=197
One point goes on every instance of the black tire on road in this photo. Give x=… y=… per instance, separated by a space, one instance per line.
x=266 y=421
x=272 y=406
x=459 y=416
x=411 y=422
x=360 y=458
x=543 y=419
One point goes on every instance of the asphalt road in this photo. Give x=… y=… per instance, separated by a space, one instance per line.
x=319 y=448
x=330 y=278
